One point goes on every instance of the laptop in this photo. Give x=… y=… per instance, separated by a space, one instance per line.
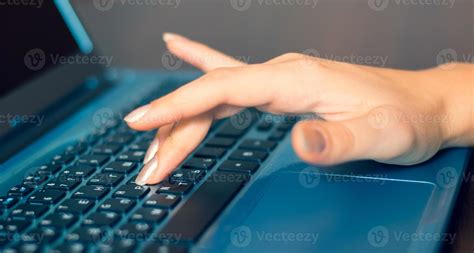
x=68 y=164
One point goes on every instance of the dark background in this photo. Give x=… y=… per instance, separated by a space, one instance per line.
x=409 y=36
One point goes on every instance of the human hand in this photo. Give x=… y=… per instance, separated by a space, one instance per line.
x=386 y=115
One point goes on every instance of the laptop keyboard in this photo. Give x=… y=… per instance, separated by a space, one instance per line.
x=85 y=199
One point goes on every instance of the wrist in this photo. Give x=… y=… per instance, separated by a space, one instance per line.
x=454 y=84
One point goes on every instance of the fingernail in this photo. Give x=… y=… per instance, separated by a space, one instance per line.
x=150 y=153
x=137 y=114
x=313 y=141
x=148 y=170
x=167 y=37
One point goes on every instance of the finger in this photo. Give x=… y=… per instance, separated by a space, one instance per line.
x=328 y=143
x=183 y=139
x=163 y=132
x=246 y=86
x=198 y=54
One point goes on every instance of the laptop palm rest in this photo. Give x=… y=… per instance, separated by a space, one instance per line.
x=332 y=214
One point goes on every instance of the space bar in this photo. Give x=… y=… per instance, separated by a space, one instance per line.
x=198 y=212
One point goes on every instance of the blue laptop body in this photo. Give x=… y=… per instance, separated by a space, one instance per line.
x=273 y=203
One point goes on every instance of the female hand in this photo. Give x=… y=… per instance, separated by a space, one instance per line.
x=390 y=116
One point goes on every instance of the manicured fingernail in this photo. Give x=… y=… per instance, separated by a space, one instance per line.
x=313 y=141
x=137 y=114
x=167 y=37
x=150 y=153
x=148 y=170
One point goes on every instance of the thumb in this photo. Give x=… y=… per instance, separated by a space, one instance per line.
x=329 y=143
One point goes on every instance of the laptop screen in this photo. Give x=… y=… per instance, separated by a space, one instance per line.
x=30 y=36
x=37 y=39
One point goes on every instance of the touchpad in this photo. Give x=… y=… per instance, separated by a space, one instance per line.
x=301 y=212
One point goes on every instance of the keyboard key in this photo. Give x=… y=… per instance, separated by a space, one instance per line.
x=254 y=144
x=120 y=139
x=105 y=219
x=122 y=246
x=76 y=149
x=228 y=130
x=86 y=235
x=93 y=160
x=179 y=188
x=187 y=175
x=106 y=179
x=155 y=247
x=106 y=149
x=285 y=126
x=202 y=207
x=29 y=211
x=20 y=190
x=35 y=180
x=151 y=215
x=50 y=169
x=276 y=135
x=199 y=163
x=75 y=206
x=221 y=142
x=140 y=146
x=63 y=183
x=26 y=247
x=7 y=202
x=162 y=201
x=58 y=220
x=78 y=171
x=13 y=226
x=40 y=235
x=62 y=159
x=134 y=230
x=131 y=191
x=68 y=247
x=117 y=205
x=265 y=125
x=250 y=167
x=120 y=167
x=249 y=155
x=46 y=196
x=210 y=152
x=132 y=156
x=91 y=192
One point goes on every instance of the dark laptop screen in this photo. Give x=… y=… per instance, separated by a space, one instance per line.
x=30 y=34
